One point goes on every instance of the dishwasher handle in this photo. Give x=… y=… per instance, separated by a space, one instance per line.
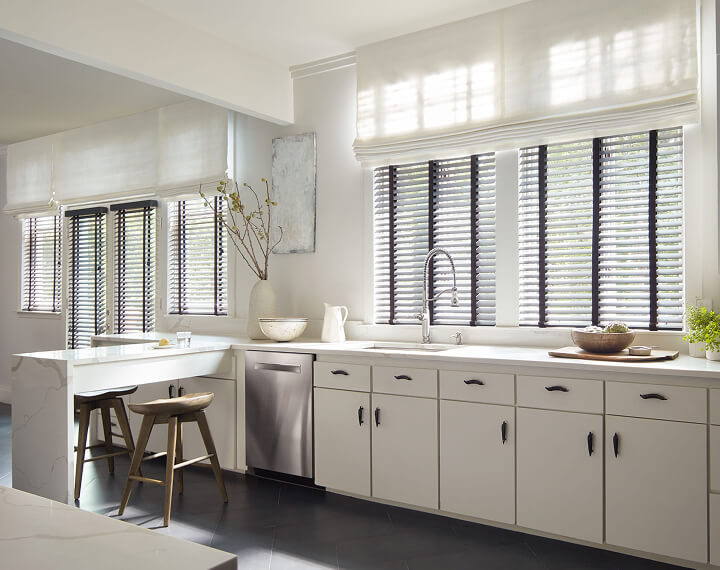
x=291 y=368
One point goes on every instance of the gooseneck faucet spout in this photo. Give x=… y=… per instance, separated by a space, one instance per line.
x=424 y=317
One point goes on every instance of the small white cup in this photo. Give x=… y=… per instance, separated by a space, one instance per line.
x=183 y=338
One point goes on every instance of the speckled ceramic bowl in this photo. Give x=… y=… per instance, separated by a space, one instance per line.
x=282 y=330
x=600 y=342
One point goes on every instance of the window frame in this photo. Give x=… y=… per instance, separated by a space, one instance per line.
x=598 y=240
x=480 y=167
x=59 y=269
x=164 y=281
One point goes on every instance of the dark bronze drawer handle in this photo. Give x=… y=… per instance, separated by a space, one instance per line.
x=402 y=377
x=473 y=381
x=556 y=389
x=340 y=372
x=653 y=396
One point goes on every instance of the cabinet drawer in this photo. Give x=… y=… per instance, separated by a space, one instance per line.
x=656 y=402
x=342 y=376
x=566 y=394
x=405 y=381
x=715 y=407
x=482 y=387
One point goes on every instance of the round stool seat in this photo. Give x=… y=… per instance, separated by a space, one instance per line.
x=95 y=395
x=186 y=404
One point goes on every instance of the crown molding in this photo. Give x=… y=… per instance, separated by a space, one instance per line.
x=323 y=65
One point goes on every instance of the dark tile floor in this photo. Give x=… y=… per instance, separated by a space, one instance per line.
x=273 y=525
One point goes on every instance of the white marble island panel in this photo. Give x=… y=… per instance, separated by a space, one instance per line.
x=44 y=384
x=37 y=533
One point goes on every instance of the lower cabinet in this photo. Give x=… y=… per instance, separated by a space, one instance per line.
x=560 y=473
x=405 y=449
x=656 y=486
x=220 y=416
x=477 y=460
x=342 y=440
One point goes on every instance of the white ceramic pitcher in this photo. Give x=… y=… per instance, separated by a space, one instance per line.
x=334 y=323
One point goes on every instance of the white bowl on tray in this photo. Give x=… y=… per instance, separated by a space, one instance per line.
x=282 y=329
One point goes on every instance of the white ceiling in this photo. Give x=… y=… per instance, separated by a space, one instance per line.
x=291 y=32
x=41 y=94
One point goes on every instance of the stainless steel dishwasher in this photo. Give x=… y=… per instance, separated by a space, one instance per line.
x=278 y=412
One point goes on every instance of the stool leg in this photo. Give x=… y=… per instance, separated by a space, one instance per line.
x=82 y=443
x=170 y=466
x=210 y=447
x=107 y=431
x=179 y=455
x=143 y=436
x=124 y=423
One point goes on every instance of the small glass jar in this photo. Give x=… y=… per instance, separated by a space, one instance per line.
x=183 y=339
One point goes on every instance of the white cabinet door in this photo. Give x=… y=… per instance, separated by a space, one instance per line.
x=477 y=460
x=220 y=416
x=656 y=487
x=405 y=449
x=148 y=393
x=342 y=440
x=559 y=482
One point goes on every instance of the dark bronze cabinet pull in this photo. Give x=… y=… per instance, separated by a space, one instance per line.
x=616 y=443
x=590 y=443
x=476 y=382
x=340 y=372
x=171 y=391
x=360 y=415
x=653 y=396
x=377 y=417
x=503 y=432
x=402 y=377
x=556 y=389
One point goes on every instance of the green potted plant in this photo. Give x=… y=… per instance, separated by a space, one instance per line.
x=711 y=334
x=697 y=318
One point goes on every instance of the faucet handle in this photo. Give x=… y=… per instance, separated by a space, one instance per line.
x=419 y=316
x=458 y=337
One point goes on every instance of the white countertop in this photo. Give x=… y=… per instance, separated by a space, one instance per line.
x=37 y=533
x=466 y=354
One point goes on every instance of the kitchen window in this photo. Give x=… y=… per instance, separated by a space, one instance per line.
x=601 y=231
x=41 y=264
x=134 y=255
x=87 y=256
x=440 y=203
x=197 y=259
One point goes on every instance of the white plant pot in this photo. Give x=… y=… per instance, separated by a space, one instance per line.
x=712 y=354
x=696 y=349
x=261 y=304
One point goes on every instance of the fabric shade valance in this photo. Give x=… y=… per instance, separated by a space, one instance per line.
x=533 y=73
x=142 y=154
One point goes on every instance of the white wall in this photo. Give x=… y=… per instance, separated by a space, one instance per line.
x=18 y=333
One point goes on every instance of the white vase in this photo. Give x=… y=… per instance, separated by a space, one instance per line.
x=696 y=349
x=712 y=354
x=261 y=304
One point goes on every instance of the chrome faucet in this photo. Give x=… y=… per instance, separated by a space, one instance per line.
x=424 y=317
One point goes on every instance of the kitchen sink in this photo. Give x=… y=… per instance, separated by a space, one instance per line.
x=409 y=346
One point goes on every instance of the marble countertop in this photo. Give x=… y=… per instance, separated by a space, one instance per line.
x=37 y=533
x=138 y=345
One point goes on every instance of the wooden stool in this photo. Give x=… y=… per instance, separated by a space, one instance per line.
x=174 y=412
x=102 y=400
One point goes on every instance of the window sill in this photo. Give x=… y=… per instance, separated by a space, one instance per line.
x=39 y=314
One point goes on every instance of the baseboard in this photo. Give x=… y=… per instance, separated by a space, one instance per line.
x=5 y=394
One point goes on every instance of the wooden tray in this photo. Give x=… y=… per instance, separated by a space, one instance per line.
x=623 y=356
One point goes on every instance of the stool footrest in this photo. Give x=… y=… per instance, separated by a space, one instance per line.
x=105 y=456
x=191 y=461
x=146 y=479
x=155 y=455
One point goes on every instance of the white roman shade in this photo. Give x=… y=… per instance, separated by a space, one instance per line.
x=178 y=146
x=536 y=73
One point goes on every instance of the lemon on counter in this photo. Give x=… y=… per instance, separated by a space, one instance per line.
x=163 y=342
